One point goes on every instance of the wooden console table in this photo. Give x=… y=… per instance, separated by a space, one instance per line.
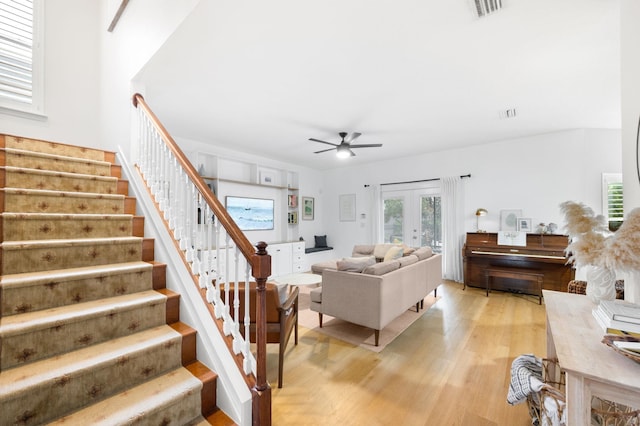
x=592 y=368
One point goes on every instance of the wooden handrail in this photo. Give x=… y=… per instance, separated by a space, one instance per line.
x=259 y=260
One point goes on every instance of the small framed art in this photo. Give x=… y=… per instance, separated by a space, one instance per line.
x=524 y=224
x=307 y=208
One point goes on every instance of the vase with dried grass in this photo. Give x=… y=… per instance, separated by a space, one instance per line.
x=589 y=235
x=622 y=254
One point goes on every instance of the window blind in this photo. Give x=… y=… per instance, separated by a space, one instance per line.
x=16 y=50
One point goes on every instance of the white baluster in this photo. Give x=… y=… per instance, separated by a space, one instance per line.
x=237 y=342
x=247 y=364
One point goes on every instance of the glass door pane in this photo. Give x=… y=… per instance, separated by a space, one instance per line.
x=394 y=219
x=430 y=222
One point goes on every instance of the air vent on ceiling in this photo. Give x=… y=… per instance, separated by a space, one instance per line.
x=486 y=7
x=508 y=113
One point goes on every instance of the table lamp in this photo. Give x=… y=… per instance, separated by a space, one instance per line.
x=480 y=212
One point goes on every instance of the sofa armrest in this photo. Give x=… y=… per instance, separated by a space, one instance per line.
x=354 y=297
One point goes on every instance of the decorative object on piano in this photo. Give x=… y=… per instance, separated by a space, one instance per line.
x=509 y=219
x=589 y=234
x=480 y=212
x=623 y=254
x=512 y=238
x=524 y=224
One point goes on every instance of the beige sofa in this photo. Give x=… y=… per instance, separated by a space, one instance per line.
x=382 y=291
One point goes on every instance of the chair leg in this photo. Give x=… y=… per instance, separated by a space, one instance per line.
x=280 y=364
x=320 y=319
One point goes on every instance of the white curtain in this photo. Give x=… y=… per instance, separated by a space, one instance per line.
x=376 y=217
x=452 y=227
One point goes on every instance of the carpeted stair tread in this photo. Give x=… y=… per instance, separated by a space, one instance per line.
x=34 y=335
x=54 y=162
x=44 y=255
x=172 y=398
x=24 y=200
x=28 y=144
x=57 y=386
x=33 y=291
x=16 y=177
x=36 y=226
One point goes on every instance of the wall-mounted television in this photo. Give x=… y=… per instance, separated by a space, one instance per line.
x=251 y=214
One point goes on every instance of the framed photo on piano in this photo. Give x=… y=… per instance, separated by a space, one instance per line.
x=524 y=224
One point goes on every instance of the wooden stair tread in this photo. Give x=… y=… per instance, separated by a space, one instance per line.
x=16 y=324
x=51 y=173
x=37 y=278
x=21 y=245
x=50 y=192
x=54 y=216
x=14 y=379
x=128 y=406
x=58 y=157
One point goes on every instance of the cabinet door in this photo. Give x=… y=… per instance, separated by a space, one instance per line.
x=298 y=260
x=280 y=259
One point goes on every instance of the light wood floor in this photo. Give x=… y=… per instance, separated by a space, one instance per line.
x=451 y=367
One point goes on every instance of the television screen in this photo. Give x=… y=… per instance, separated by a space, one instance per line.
x=251 y=214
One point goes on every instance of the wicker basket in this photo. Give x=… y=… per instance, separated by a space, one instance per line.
x=552 y=394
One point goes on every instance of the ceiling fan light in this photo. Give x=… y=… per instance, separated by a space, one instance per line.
x=343 y=152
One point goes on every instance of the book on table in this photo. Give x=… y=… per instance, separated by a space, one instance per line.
x=611 y=326
x=621 y=311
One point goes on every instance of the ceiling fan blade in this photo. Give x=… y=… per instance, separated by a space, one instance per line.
x=354 y=136
x=353 y=154
x=318 y=140
x=368 y=145
x=324 y=150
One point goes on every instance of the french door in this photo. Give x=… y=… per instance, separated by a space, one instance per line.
x=413 y=217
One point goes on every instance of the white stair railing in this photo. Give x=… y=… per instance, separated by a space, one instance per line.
x=207 y=247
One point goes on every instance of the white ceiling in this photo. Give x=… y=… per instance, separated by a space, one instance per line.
x=415 y=75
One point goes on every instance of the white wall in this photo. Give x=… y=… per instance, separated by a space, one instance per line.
x=71 y=85
x=630 y=81
x=141 y=31
x=534 y=174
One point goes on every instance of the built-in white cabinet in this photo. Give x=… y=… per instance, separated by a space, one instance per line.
x=226 y=176
x=286 y=258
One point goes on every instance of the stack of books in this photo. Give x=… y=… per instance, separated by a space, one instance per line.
x=621 y=319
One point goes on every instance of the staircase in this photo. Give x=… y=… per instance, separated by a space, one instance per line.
x=88 y=332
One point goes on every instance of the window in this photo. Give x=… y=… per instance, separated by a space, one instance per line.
x=612 y=199
x=21 y=56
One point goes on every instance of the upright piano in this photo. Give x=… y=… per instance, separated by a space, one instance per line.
x=543 y=252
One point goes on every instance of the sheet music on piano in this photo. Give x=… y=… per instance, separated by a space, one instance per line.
x=512 y=238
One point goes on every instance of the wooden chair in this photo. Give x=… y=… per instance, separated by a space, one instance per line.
x=282 y=318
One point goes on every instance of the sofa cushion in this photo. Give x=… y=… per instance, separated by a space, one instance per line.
x=382 y=268
x=317 y=268
x=408 y=260
x=316 y=295
x=393 y=253
x=381 y=249
x=362 y=250
x=423 y=253
x=355 y=264
x=321 y=240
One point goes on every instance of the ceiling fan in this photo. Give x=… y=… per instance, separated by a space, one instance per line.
x=343 y=149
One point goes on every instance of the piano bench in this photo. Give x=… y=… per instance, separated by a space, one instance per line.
x=516 y=274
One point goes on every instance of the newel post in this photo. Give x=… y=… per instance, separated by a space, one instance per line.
x=262 y=391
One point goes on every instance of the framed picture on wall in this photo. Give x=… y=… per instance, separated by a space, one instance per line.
x=524 y=224
x=347 y=207
x=509 y=219
x=307 y=208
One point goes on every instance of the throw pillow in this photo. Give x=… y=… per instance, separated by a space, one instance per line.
x=355 y=264
x=321 y=240
x=393 y=253
x=381 y=249
x=407 y=250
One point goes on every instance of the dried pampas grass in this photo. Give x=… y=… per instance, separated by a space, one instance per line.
x=623 y=249
x=588 y=233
